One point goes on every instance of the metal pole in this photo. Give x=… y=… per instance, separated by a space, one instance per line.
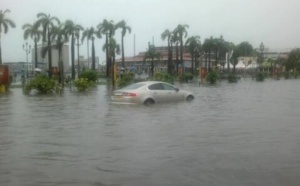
x=27 y=49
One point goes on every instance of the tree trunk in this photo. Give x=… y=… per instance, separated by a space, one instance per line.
x=93 y=55
x=152 y=68
x=35 y=53
x=107 y=58
x=123 y=56
x=72 y=57
x=177 y=60
x=78 y=62
x=61 y=67
x=181 y=54
x=49 y=54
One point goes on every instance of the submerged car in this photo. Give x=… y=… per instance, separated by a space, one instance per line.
x=150 y=92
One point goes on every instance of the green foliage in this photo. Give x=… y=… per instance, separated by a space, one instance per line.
x=260 y=76
x=159 y=76
x=41 y=83
x=91 y=75
x=232 y=78
x=185 y=77
x=126 y=78
x=212 y=76
x=82 y=84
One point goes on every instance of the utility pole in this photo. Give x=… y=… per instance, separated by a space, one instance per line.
x=27 y=49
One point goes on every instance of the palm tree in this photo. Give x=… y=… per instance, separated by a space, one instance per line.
x=208 y=47
x=194 y=45
x=114 y=49
x=90 y=34
x=152 y=54
x=77 y=35
x=122 y=25
x=175 y=39
x=47 y=23
x=108 y=28
x=71 y=29
x=33 y=32
x=167 y=34
x=5 y=23
x=181 y=31
x=60 y=36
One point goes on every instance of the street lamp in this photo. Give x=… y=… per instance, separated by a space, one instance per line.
x=27 y=49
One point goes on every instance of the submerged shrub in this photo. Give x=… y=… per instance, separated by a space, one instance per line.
x=212 y=76
x=232 y=78
x=91 y=75
x=158 y=76
x=82 y=84
x=260 y=76
x=42 y=83
x=126 y=78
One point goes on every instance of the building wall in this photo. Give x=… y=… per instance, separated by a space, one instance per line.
x=55 y=60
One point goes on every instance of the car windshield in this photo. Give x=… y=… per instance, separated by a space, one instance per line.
x=133 y=86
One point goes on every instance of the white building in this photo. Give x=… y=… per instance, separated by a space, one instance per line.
x=86 y=63
x=54 y=53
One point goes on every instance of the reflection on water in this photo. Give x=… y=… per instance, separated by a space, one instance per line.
x=231 y=134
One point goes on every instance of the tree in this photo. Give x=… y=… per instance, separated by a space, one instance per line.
x=60 y=36
x=181 y=31
x=152 y=54
x=5 y=23
x=194 y=44
x=124 y=27
x=167 y=34
x=175 y=39
x=114 y=49
x=293 y=61
x=34 y=33
x=72 y=29
x=208 y=47
x=242 y=49
x=47 y=23
x=108 y=28
x=90 y=34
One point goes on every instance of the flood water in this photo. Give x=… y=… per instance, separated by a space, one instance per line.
x=243 y=134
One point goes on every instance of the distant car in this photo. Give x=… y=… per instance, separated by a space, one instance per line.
x=150 y=92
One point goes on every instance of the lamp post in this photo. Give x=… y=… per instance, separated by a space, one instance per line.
x=27 y=49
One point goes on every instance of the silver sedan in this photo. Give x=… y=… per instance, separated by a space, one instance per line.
x=150 y=92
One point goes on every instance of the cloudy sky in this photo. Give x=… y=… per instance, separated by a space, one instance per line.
x=273 y=22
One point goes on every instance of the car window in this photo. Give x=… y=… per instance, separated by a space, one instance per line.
x=133 y=86
x=168 y=87
x=156 y=86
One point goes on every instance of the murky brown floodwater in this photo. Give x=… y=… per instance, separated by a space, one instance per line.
x=244 y=134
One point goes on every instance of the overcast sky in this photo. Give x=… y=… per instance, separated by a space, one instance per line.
x=273 y=22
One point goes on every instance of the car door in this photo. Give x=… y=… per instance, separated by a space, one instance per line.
x=158 y=93
x=172 y=93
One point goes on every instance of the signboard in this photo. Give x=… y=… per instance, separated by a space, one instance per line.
x=4 y=75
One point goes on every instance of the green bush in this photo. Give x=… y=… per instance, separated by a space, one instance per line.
x=158 y=76
x=232 y=78
x=41 y=83
x=185 y=77
x=260 y=76
x=91 y=75
x=82 y=84
x=212 y=76
x=125 y=79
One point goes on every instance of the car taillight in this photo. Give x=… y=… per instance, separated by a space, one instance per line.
x=130 y=94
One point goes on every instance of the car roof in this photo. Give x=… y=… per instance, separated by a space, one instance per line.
x=151 y=82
